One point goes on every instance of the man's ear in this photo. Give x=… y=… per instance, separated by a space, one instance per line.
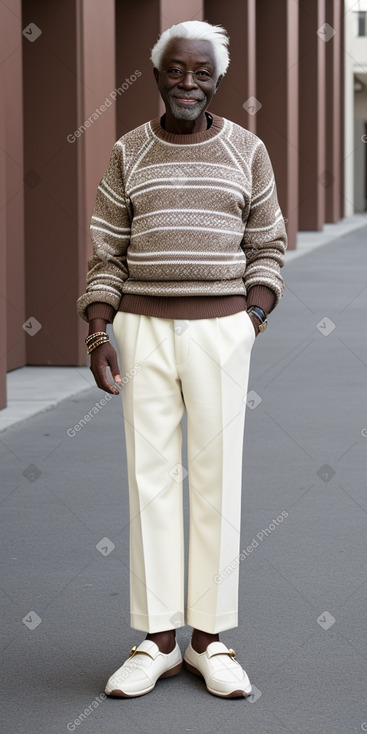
x=218 y=82
x=156 y=74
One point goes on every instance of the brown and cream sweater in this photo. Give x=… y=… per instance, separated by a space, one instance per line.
x=185 y=226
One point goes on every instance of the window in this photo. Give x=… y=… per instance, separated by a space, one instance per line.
x=362 y=22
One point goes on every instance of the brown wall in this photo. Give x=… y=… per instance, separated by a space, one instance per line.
x=134 y=41
x=86 y=52
x=96 y=80
x=3 y=293
x=68 y=72
x=239 y=83
x=15 y=273
x=334 y=117
x=313 y=177
x=51 y=198
x=140 y=101
x=12 y=306
x=277 y=91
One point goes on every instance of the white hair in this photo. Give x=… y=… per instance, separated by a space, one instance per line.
x=195 y=30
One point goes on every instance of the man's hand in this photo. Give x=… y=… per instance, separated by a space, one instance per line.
x=102 y=357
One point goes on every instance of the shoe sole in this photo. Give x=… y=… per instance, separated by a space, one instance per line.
x=117 y=693
x=233 y=694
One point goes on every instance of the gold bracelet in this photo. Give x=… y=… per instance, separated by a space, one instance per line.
x=103 y=338
x=91 y=337
x=106 y=338
x=96 y=334
x=97 y=344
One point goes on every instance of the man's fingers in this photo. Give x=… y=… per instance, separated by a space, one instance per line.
x=102 y=357
x=114 y=367
x=102 y=382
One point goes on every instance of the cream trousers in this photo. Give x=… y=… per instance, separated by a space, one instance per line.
x=201 y=365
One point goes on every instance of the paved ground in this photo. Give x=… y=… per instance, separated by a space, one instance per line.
x=303 y=625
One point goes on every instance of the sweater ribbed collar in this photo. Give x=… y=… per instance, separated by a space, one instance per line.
x=176 y=139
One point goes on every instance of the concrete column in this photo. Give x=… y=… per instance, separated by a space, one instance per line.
x=69 y=71
x=334 y=110
x=177 y=12
x=138 y=26
x=3 y=294
x=277 y=92
x=12 y=313
x=348 y=165
x=96 y=90
x=16 y=336
x=342 y=110
x=236 y=95
x=314 y=178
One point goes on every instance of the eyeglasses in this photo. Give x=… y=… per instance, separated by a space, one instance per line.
x=201 y=76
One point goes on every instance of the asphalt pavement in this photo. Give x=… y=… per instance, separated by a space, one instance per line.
x=302 y=633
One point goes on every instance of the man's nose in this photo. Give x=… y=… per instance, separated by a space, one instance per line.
x=188 y=81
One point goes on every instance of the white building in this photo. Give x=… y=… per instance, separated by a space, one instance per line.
x=355 y=106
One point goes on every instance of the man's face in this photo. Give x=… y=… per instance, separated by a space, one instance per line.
x=187 y=99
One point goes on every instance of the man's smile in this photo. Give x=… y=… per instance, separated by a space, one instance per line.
x=186 y=100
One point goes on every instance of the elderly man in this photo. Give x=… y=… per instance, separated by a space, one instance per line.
x=188 y=245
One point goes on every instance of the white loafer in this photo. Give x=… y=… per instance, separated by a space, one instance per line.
x=222 y=673
x=140 y=672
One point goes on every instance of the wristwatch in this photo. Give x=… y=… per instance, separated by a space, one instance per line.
x=260 y=315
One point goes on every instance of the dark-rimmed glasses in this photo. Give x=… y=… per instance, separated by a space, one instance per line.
x=201 y=76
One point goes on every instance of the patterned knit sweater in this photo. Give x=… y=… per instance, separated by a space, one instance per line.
x=179 y=217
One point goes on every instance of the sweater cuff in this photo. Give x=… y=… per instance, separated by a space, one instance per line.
x=262 y=296
x=101 y=311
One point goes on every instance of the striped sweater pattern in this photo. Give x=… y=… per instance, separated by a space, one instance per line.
x=185 y=219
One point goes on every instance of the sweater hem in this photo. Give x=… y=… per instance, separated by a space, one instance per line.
x=183 y=307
